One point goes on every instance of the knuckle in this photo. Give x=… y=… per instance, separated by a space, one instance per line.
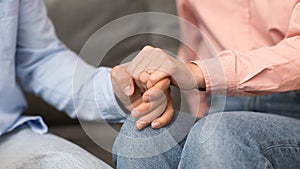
x=147 y=47
x=136 y=77
x=113 y=72
x=164 y=121
x=143 y=79
x=157 y=50
x=155 y=93
x=152 y=79
x=168 y=81
x=149 y=107
x=159 y=53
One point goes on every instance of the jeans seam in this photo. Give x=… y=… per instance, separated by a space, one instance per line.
x=268 y=148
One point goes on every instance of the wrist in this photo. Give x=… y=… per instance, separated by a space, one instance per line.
x=198 y=75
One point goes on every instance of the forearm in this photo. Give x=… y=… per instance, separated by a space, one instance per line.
x=50 y=70
x=257 y=72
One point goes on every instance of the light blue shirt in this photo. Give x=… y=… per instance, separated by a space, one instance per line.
x=31 y=53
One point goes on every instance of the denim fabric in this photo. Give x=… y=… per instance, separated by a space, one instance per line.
x=243 y=140
x=24 y=148
x=151 y=148
x=286 y=103
x=251 y=132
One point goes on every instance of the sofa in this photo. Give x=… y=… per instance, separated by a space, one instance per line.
x=75 y=22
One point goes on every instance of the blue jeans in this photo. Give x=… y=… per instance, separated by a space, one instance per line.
x=252 y=132
x=22 y=148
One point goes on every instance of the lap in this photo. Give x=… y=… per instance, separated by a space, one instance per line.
x=23 y=148
x=239 y=133
x=244 y=139
x=286 y=103
x=248 y=138
x=251 y=123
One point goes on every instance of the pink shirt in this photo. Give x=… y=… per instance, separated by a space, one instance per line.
x=257 y=43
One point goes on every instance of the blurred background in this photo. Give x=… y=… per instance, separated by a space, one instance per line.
x=75 y=22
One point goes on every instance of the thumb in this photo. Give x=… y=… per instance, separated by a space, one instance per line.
x=123 y=79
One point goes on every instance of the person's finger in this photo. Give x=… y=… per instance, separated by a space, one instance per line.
x=128 y=96
x=157 y=90
x=121 y=79
x=155 y=77
x=139 y=63
x=146 y=107
x=147 y=119
x=144 y=77
x=137 y=67
x=154 y=114
x=135 y=100
x=165 y=118
x=145 y=61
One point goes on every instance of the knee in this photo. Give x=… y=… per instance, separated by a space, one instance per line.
x=132 y=143
x=129 y=130
x=218 y=132
x=210 y=139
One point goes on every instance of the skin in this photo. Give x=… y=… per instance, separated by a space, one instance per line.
x=153 y=106
x=143 y=85
x=151 y=59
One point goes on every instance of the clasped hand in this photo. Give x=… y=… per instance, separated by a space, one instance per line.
x=143 y=85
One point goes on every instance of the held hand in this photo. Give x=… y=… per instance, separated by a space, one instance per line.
x=151 y=105
x=124 y=87
x=161 y=65
x=157 y=106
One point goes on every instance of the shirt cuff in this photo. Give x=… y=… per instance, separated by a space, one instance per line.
x=219 y=73
x=36 y=124
x=105 y=98
x=227 y=60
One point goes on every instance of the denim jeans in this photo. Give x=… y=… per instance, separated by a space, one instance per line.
x=250 y=132
x=23 y=148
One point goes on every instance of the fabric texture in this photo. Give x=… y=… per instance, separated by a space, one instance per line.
x=24 y=148
x=31 y=52
x=255 y=45
x=250 y=132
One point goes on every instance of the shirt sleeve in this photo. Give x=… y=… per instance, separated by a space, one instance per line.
x=190 y=48
x=257 y=72
x=50 y=70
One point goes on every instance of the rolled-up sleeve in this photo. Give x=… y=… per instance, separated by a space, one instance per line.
x=261 y=71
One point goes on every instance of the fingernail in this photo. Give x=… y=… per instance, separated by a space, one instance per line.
x=141 y=124
x=135 y=113
x=155 y=124
x=127 y=90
